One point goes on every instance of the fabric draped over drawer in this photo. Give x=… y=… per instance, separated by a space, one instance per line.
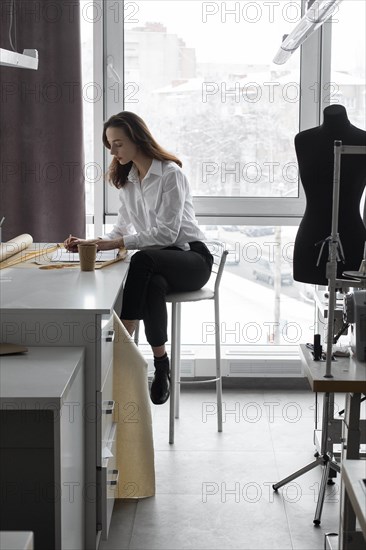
x=135 y=447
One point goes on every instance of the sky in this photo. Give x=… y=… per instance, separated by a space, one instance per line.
x=250 y=34
x=247 y=31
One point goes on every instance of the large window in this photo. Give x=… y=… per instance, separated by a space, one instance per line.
x=205 y=82
x=348 y=60
x=201 y=75
x=348 y=64
x=261 y=303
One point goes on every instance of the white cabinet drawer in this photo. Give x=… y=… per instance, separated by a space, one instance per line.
x=106 y=346
x=108 y=482
x=20 y=540
x=105 y=409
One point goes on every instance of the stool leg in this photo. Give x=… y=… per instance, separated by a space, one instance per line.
x=177 y=360
x=218 y=364
x=172 y=374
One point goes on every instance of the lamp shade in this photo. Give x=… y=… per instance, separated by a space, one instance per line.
x=319 y=12
x=26 y=60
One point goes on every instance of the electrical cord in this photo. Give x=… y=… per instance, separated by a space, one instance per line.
x=13 y=19
x=341 y=331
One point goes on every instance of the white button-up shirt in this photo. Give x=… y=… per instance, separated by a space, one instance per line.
x=158 y=211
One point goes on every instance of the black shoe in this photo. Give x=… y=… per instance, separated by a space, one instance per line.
x=160 y=386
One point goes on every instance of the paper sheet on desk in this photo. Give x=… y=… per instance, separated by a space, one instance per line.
x=135 y=447
x=65 y=256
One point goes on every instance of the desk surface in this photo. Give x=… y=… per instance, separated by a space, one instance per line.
x=353 y=471
x=16 y=540
x=61 y=289
x=43 y=374
x=349 y=375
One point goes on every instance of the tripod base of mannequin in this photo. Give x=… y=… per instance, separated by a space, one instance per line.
x=325 y=458
x=328 y=464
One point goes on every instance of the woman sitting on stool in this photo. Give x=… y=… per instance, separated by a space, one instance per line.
x=156 y=218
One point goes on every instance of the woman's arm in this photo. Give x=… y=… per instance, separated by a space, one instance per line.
x=72 y=242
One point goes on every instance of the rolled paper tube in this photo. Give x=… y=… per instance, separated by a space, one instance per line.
x=14 y=246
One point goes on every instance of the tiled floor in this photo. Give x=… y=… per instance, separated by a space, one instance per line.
x=214 y=490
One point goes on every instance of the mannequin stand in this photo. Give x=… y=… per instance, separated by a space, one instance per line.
x=325 y=458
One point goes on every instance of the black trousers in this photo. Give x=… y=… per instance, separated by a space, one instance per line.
x=153 y=273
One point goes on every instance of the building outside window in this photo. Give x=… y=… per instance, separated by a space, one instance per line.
x=201 y=74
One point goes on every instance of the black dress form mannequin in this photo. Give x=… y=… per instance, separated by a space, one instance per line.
x=315 y=155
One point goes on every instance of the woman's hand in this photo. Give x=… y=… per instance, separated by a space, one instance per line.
x=71 y=244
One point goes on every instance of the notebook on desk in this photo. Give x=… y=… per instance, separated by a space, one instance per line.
x=10 y=349
x=64 y=256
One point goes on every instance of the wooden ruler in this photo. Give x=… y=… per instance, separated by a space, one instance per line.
x=77 y=264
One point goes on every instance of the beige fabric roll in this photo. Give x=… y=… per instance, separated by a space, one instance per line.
x=135 y=447
x=14 y=246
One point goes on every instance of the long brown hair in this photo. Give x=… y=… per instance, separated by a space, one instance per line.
x=137 y=131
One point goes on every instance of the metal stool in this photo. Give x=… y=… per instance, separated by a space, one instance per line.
x=209 y=292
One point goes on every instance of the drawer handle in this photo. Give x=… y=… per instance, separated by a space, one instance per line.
x=111 y=335
x=115 y=480
x=108 y=407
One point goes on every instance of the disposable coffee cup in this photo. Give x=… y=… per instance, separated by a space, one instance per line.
x=87 y=255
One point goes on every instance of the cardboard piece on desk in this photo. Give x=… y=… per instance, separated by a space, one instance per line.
x=9 y=349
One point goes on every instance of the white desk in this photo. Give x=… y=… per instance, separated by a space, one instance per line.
x=66 y=307
x=348 y=374
x=42 y=445
x=16 y=540
x=353 y=472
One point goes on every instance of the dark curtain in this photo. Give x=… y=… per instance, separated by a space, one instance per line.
x=41 y=139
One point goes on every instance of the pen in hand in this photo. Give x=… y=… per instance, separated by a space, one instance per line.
x=70 y=245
